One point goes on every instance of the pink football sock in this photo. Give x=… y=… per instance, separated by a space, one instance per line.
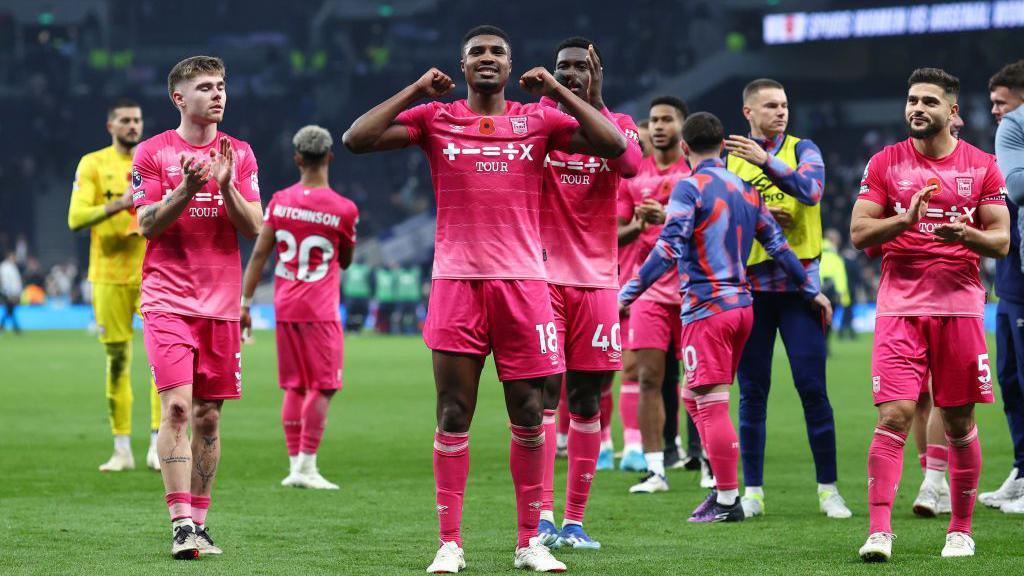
x=964 y=469
x=922 y=459
x=526 y=460
x=690 y=403
x=200 y=505
x=885 y=467
x=563 y=411
x=548 y=493
x=179 y=504
x=291 y=419
x=629 y=401
x=607 y=406
x=584 y=447
x=451 y=468
x=314 y=420
x=721 y=442
x=937 y=457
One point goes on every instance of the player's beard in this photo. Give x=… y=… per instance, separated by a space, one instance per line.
x=670 y=144
x=128 y=142
x=927 y=132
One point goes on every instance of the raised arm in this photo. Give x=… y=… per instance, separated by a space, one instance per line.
x=805 y=183
x=870 y=227
x=671 y=245
x=245 y=214
x=377 y=130
x=83 y=212
x=156 y=217
x=596 y=134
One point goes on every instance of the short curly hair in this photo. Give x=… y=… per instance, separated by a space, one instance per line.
x=313 y=143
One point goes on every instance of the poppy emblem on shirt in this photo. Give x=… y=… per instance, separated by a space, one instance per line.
x=964 y=186
x=519 y=124
x=486 y=125
x=935 y=182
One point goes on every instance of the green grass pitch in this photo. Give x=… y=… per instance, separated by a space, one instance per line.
x=59 y=515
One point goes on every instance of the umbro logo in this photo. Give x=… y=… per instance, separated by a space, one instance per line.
x=442 y=510
x=535 y=505
x=587 y=477
x=173 y=170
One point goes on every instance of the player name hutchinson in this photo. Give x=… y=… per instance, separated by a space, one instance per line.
x=303 y=215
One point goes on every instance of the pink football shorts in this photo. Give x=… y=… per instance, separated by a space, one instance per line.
x=952 y=348
x=512 y=318
x=711 y=347
x=653 y=325
x=309 y=355
x=204 y=352
x=587 y=320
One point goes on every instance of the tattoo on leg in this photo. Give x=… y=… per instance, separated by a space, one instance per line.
x=176 y=460
x=206 y=463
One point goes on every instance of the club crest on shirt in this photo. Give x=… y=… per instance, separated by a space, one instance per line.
x=964 y=186
x=486 y=125
x=519 y=125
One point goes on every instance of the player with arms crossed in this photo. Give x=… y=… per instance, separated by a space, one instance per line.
x=580 y=235
x=115 y=270
x=713 y=218
x=314 y=229
x=489 y=288
x=935 y=204
x=654 y=321
x=196 y=189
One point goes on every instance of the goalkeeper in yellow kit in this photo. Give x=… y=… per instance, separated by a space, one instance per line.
x=101 y=200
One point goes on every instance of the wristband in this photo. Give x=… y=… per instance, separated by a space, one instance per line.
x=246 y=302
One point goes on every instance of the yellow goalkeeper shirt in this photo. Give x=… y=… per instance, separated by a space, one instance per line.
x=116 y=247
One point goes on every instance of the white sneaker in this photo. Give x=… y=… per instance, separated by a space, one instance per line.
x=1013 y=506
x=878 y=548
x=1011 y=489
x=120 y=461
x=958 y=544
x=833 y=505
x=183 y=543
x=537 y=557
x=293 y=479
x=926 y=505
x=205 y=544
x=650 y=484
x=152 y=458
x=315 y=481
x=707 y=479
x=753 y=505
x=448 y=560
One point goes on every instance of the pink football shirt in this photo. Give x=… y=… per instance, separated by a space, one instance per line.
x=578 y=212
x=487 y=173
x=920 y=275
x=312 y=226
x=652 y=182
x=629 y=254
x=193 y=268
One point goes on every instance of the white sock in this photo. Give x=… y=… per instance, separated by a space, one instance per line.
x=655 y=462
x=754 y=491
x=152 y=437
x=728 y=497
x=934 y=477
x=122 y=443
x=566 y=522
x=608 y=445
x=307 y=462
x=548 y=515
x=293 y=463
x=561 y=440
x=186 y=521
x=828 y=488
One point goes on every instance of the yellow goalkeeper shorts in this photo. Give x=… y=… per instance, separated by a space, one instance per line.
x=114 y=305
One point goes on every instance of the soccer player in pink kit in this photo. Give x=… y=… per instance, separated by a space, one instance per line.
x=195 y=190
x=314 y=229
x=654 y=320
x=580 y=237
x=489 y=288
x=935 y=204
x=714 y=217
